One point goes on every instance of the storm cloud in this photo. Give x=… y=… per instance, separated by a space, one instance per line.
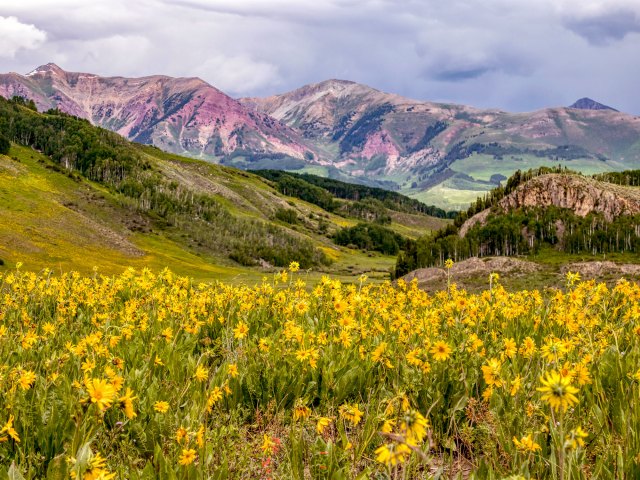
x=508 y=54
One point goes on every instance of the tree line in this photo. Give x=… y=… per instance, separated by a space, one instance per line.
x=300 y=185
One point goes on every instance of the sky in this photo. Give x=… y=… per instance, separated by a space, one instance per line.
x=515 y=55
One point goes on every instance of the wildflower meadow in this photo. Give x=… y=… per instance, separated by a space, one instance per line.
x=150 y=375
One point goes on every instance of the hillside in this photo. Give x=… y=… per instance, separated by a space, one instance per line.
x=581 y=195
x=74 y=196
x=535 y=213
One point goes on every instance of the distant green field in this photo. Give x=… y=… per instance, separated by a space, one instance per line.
x=482 y=167
x=446 y=197
x=457 y=192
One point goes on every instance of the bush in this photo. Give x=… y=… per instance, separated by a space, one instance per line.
x=286 y=215
x=5 y=145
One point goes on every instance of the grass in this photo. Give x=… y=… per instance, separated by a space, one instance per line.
x=445 y=197
x=53 y=221
x=482 y=167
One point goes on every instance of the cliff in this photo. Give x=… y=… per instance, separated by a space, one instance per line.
x=579 y=194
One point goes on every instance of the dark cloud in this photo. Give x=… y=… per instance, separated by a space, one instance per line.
x=509 y=54
x=461 y=74
x=607 y=27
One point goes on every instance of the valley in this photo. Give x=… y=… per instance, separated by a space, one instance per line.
x=194 y=217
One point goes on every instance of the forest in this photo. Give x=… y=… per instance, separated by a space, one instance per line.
x=370 y=237
x=300 y=185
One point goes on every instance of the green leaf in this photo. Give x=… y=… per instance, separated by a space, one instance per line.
x=57 y=469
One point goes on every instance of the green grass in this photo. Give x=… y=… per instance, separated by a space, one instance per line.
x=445 y=197
x=50 y=220
x=482 y=167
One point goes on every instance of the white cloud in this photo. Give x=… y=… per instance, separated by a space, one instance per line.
x=239 y=74
x=15 y=35
x=510 y=54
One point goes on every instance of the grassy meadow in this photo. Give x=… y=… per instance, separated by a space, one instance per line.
x=66 y=222
x=149 y=375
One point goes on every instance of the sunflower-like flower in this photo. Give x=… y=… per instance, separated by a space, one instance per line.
x=101 y=392
x=557 y=391
x=351 y=413
x=323 y=423
x=391 y=454
x=187 y=457
x=575 y=438
x=526 y=444
x=491 y=372
x=9 y=430
x=414 y=427
x=440 y=351
x=126 y=403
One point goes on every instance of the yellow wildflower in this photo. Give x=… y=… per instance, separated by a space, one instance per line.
x=161 y=406
x=187 y=457
x=440 y=351
x=558 y=391
x=351 y=413
x=101 y=392
x=526 y=444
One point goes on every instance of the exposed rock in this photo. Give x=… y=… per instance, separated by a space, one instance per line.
x=600 y=268
x=361 y=131
x=588 y=104
x=579 y=194
x=418 y=135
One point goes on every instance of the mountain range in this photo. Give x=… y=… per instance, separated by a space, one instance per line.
x=440 y=153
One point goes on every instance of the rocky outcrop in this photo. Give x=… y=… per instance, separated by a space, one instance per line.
x=579 y=194
x=598 y=269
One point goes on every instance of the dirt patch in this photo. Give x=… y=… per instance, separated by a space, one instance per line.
x=599 y=269
x=474 y=267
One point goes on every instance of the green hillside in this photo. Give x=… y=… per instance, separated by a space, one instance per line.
x=74 y=196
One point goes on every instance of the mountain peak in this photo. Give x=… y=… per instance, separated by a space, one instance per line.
x=48 y=68
x=589 y=104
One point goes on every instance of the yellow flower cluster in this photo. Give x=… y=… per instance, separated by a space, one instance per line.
x=158 y=372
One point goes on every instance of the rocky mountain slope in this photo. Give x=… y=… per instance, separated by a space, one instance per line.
x=432 y=150
x=179 y=115
x=579 y=194
x=442 y=154
x=589 y=104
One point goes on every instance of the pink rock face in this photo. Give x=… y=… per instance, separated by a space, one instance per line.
x=578 y=194
x=181 y=115
x=380 y=144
